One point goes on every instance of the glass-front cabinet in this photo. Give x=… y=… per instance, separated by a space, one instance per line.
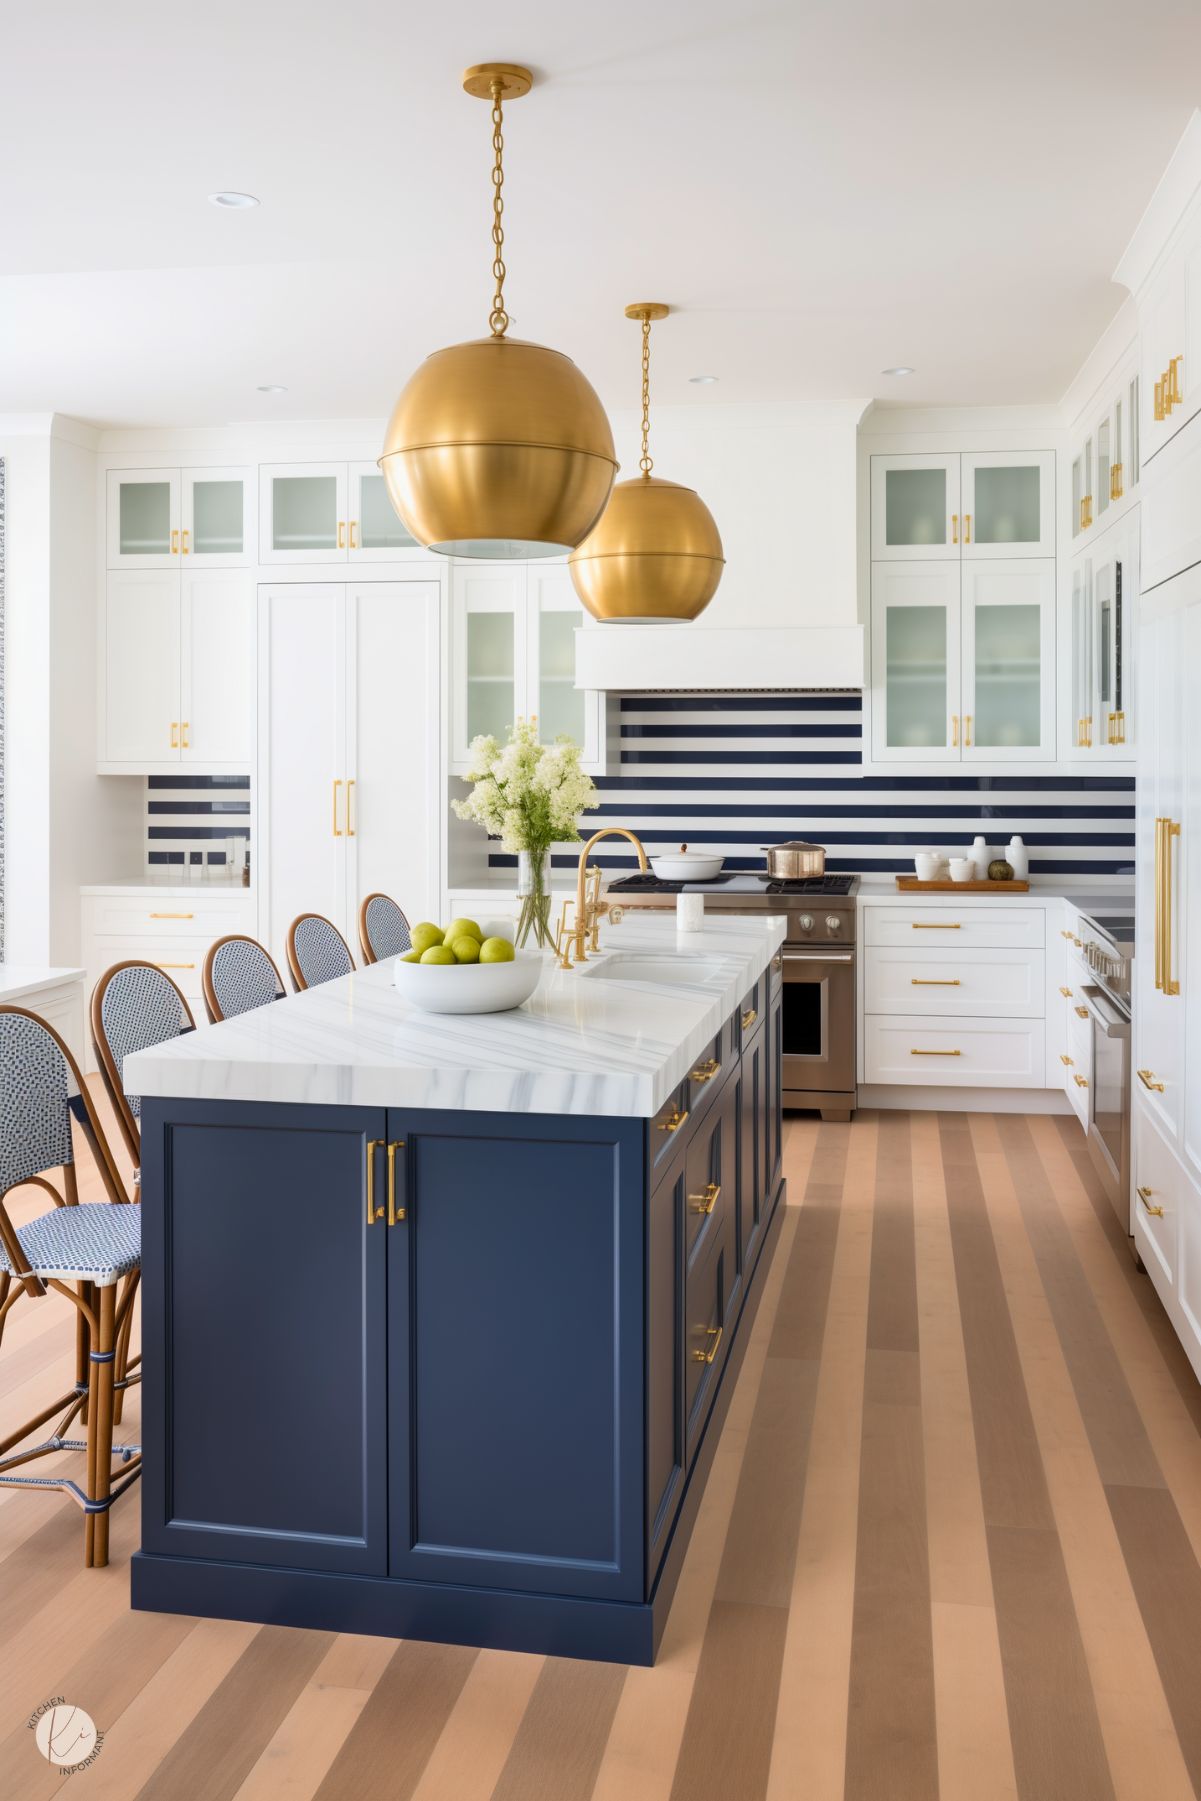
x=330 y=513
x=959 y=507
x=915 y=659
x=1105 y=458
x=157 y=518
x=1099 y=725
x=915 y=508
x=512 y=657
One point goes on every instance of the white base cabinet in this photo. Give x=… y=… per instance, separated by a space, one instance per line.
x=348 y=763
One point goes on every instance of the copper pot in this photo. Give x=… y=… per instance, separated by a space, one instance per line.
x=795 y=861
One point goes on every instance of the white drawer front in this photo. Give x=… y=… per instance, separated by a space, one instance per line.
x=968 y=927
x=988 y=983
x=209 y=916
x=182 y=959
x=1164 y=1184
x=961 y=1053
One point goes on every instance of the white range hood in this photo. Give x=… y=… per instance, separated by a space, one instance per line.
x=633 y=659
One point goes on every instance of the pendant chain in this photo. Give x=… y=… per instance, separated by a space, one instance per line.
x=645 y=462
x=498 y=319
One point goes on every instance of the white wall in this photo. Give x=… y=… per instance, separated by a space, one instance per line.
x=25 y=447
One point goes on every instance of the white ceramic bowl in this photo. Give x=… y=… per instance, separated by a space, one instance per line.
x=930 y=866
x=686 y=866
x=470 y=987
x=962 y=869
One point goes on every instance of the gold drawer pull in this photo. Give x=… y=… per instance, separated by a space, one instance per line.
x=1144 y=1195
x=705 y=1203
x=1066 y=1061
x=675 y=1122
x=170 y=916
x=1081 y=1012
x=1147 y=1078
x=749 y=1018
x=934 y=982
x=927 y=926
x=714 y=1332
x=1080 y=1081
x=394 y=1212
x=373 y=1212
x=1066 y=993
x=936 y=1053
x=705 y=1072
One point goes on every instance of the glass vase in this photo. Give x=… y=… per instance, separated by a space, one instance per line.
x=533 y=891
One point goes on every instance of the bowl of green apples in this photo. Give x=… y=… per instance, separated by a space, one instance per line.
x=459 y=969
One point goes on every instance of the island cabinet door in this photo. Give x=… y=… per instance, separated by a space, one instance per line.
x=774 y=1097
x=265 y=1333
x=752 y=1147
x=515 y=1353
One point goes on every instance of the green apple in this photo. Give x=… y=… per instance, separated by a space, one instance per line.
x=496 y=950
x=438 y=953
x=411 y=957
x=425 y=934
x=464 y=947
x=463 y=927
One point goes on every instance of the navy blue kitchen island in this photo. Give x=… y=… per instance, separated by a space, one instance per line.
x=451 y=1372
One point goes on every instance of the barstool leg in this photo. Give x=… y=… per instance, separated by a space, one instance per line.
x=100 y=1427
x=122 y=1365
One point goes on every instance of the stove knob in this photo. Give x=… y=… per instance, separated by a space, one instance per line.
x=833 y=922
x=806 y=922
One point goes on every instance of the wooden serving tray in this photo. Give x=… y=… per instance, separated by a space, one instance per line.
x=909 y=884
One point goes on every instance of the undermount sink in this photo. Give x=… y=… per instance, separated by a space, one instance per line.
x=678 y=972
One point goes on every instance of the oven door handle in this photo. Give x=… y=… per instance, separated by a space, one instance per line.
x=816 y=956
x=1111 y=1023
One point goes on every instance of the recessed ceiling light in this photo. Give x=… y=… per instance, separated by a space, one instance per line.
x=901 y=369
x=272 y=387
x=704 y=380
x=228 y=198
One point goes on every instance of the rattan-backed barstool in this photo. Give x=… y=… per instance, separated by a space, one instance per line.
x=94 y=1246
x=383 y=928
x=317 y=952
x=238 y=976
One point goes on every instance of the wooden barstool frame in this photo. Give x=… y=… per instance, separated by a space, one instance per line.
x=212 y=1005
x=294 y=969
x=369 y=955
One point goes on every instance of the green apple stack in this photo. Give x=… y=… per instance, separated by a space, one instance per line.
x=460 y=943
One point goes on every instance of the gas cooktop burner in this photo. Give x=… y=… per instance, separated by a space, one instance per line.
x=653 y=884
x=813 y=884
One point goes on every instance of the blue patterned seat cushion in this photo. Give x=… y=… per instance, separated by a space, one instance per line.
x=98 y=1241
x=243 y=977
x=140 y=1009
x=320 y=951
x=35 y=1085
x=387 y=927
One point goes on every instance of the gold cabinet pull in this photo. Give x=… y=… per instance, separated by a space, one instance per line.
x=395 y=1213
x=341 y=534
x=174 y=734
x=1066 y=992
x=183 y=737
x=353 y=526
x=174 y=543
x=749 y=1018
x=705 y=1072
x=949 y=925
x=1081 y=1012
x=1119 y=727
x=967 y=731
x=1171 y=829
x=706 y=1202
x=1159 y=905
x=373 y=1212
x=183 y=541
x=1067 y=1062
x=1115 y=481
x=1172 y=394
x=1064 y=934
x=1080 y=1081
x=936 y=1053
x=934 y=982
x=954 y=528
x=1147 y=1078
x=337 y=828
x=1159 y=407
x=1144 y=1195
x=175 y=966
x=714 y=1334
x=674 y=1122
x=349 y=798
x=954 y=731
x=967 y=528
x=169 y=916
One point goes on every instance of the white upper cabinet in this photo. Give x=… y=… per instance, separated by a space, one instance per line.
x=915 y=508
x=1008 y=637
x=159 y=518
x=554 y=615
x=1098 y=723
x=140 y=711
x=330 y=513
x=1105 y=460
x=216 y=697
x=1008 y=504
x=375 y=533
x=915 y=662
x=1170 y=338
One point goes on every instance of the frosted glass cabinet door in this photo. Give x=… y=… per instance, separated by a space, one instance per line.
x=1009 y=504
x=375 y=533
x=560 y=707
x=915 y=508
x=143 y=519
x=1008 y=661
x=1083 y=700
x=303 y=512
x=218 y=518
x=488 y=655
x=915 y=662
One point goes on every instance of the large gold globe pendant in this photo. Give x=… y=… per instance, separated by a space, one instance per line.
x=498 y=448
x=655 y=556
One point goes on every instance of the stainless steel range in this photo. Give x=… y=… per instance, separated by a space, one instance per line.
x=819 y=972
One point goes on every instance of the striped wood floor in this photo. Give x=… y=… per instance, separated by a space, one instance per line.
x=949 y=1547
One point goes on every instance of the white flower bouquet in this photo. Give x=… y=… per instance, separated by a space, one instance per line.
x=529 y=795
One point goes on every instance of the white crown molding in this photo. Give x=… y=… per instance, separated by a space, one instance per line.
x=1176 y=188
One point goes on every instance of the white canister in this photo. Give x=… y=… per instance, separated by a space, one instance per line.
x=690 y=912
x=963 y=869
x=1018 y=858
x=979 y=857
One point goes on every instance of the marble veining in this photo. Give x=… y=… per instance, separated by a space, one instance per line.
x=579 y=1045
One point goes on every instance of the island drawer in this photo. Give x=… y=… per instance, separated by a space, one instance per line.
x=968 y=927
x=667 y=1124
x=711 y=1067
x=996 y=982
x=753 y=1008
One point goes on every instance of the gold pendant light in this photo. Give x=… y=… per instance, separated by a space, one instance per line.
x=498 y=448
x=656 y=555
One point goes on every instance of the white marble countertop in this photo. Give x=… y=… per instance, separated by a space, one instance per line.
x=1087 y=897
x=579 y=1045
x=18 y=980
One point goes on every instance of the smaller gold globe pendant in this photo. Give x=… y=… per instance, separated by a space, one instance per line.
x=498 y=448
x=655 y=557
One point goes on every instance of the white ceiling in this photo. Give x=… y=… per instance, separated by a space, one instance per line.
x=824 y=189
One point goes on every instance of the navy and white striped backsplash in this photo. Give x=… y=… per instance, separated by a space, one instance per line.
x=731 y=773
x=189 y=818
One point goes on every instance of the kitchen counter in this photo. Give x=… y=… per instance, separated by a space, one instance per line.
x=1082 y=895
x=21 y=983
x=579 y=1045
